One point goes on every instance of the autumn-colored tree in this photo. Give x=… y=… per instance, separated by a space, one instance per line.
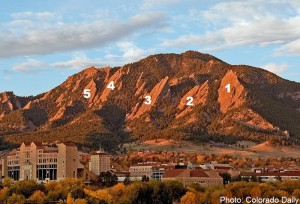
x=7 y=182
x=102 y=195
x=70 y=200
x=296 y=193
x=37 y=197
x=255 y=192
x=26 y=187
x=16 y=198
x=188 y=198
x=55 y=191
x=117 y=190
x=4 y=194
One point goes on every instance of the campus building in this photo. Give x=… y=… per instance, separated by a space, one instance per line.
x=189 y=176
x=42 y=162
x=100 y=162
x=287 y=175
x=141 y=169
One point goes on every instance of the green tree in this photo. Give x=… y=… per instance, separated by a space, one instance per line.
x=127 y=180
x=107 y=179
x=145 y=178
x=226 y=177
x=253 y=178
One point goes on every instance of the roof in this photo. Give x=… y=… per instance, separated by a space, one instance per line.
x=161 y=166
x=222 y=167
x=286 y=173
x=198 y=173
x=100 y=154
x=69 y=144
x=145 y=164
x=173 y=173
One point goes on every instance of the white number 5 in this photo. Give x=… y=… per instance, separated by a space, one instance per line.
x=86 y=93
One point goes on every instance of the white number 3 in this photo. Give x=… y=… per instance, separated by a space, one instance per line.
x=148 y=100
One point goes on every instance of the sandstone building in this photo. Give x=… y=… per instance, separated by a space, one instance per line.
x=42 y=162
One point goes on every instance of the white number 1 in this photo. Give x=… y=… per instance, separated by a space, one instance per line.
x=228 y=88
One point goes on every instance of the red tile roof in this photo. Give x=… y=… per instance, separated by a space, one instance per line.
x=173 y=173
x=198 y=173
x=222 y=167
x=192 y=173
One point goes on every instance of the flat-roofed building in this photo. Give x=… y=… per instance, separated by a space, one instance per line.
x=100 y=162
x=272 y=176
x=159 y=170
x=142 y=169
x=188 y=176
x=42 y=162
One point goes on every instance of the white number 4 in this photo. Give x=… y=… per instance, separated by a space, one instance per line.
x=189 y=101
x=86 y=93
x=228 y=88
x=148 y=100
x=111 y=85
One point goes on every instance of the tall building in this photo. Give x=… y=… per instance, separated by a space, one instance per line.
x=42 y=163
x=100 y=162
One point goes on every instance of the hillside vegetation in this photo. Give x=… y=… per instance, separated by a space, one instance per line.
x=259 y=106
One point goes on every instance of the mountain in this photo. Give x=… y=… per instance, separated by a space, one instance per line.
x=150 y=99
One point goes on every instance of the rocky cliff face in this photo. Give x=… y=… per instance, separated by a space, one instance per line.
x=8 y=103
x=231 y=92
x=224 y=100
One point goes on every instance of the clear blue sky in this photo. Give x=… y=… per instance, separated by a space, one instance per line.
x=43 y=42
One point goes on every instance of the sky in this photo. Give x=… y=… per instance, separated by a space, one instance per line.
x=44 y=42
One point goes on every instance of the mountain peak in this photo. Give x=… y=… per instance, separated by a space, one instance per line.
x=198 y=55
x=187 y=94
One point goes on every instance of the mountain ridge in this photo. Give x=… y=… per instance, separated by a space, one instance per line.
x=260 y=105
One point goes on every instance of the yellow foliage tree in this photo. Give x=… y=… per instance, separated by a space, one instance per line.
x=7 y=182
x=117 y=190
x=15 y=198
x=103 y=195
x=70 y=200
x=255 y=192
x=80 y=201
x=3 y=194
x=37 y=197
x=188 y=198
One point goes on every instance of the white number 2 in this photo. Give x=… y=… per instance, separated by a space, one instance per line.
x=189 y=101
x=148 y=100
x=86 y=93
x=111 y=85
x=228 y=88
